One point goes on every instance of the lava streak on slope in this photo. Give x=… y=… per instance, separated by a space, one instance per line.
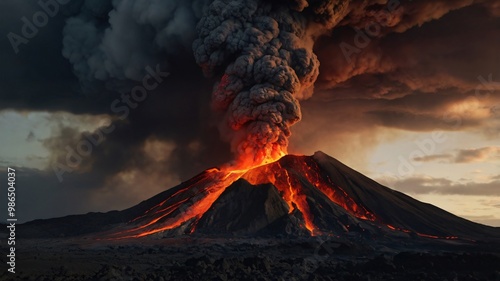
x=306 y=168
x=288 y=185
x=183 y=209
x=286 y=175
x=186 y=206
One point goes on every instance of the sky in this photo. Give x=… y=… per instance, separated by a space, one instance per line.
x=411 y=100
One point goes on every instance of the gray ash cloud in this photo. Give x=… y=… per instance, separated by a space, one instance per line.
x=263 y=53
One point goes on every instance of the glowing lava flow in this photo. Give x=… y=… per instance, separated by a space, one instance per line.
x=188 y=204
x=300 y=182
x=422 y=234
x=184 y=208
x=288 y=185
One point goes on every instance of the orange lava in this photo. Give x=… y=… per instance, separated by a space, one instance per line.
x=335 y=193
x=189 y=203
x=288 y=185
x=294 y=177
x=422 y=234
x=186 y=206
x=210 y=185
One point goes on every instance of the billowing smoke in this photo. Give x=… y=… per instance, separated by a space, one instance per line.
x=265 y=51
x=117 y=39
x=260 y=52
x=404 y=78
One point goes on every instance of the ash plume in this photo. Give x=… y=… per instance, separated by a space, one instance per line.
x=266 y=51
x=261 y=53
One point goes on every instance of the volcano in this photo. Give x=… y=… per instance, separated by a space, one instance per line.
x=294 y=196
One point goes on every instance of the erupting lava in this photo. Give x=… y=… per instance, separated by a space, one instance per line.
x=304 y=188
x=190 y=203
x=291 y=189
x=187 y=206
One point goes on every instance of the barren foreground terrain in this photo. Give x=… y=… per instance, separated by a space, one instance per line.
x=251 y=259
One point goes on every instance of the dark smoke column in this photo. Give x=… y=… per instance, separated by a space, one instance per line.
x=263 y=52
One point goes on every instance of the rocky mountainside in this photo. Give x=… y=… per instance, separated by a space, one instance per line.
x=295 y=196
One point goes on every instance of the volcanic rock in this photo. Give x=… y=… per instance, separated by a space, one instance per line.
x=294 y=196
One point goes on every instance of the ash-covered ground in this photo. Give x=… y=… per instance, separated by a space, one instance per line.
x=198 y=258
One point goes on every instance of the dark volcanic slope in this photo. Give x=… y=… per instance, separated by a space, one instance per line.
x=76 y=225
x=399 y=209
x=243 y=208
x=297 y=195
